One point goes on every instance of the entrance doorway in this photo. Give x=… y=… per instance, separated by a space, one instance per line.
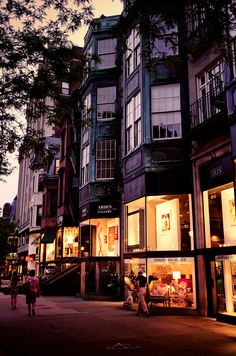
x=211 y=287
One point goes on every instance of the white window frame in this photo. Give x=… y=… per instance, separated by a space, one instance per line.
x=106 y=98
x=65 y=88
x=85 y=165
x=132 y=52
x=133 y=123
x=105 y=159
x=86 y=113
x=166 y=111
x=205 y=84
x=106 y=53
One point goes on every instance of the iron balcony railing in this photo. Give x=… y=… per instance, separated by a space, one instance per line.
x=208 y=105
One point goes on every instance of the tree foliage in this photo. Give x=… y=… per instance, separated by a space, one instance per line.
x=34 y=55
x=6 y=229
x=214 y=20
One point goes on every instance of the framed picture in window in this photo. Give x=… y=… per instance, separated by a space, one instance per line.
x=168 y=225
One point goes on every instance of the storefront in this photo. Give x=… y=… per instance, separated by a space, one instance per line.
x=99 y=249
x=159 y=223
x=171 y=280
x=226 y=285
x=67 y=242
x=218 y=202
x=160 y=228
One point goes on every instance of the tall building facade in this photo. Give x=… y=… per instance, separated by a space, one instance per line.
x=158 y=220
x=29 y=205
x=211 y=72
x=99 y=199
x=153 y=160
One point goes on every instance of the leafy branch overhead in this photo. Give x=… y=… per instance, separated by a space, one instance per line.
x=201 y=24
x=34 y=56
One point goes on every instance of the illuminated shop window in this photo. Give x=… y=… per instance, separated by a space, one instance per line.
x=219 y=216
x=135 y=231
x=50 y=251
x=70 y=241
x=226 y=284
x=171 y=280
x=102 y=235
x=59 y=243
x=168 y=221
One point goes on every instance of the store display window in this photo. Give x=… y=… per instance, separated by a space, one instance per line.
x=172 y=282
x=135 y=225
x=226 y=284
x=59 y=243
x=132 y=266
x=169 y=223
x=100 y=237
x=159 y=223
x=219 y=216
x=50 y=251
x=70 y=241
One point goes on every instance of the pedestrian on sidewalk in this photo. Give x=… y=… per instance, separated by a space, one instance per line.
x=32 y=292
x=141 y=282
x=14 y=289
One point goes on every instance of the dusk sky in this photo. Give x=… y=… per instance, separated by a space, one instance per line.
x=8 y=190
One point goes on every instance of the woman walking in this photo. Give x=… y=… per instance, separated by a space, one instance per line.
x=14 y=290
x=32 y=292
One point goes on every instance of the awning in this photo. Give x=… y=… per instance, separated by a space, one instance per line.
x=48 y=237
x=36 y=240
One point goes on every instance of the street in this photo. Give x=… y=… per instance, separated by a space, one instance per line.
x=72 y=326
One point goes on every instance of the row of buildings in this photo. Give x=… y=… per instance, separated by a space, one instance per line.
x=143 y=173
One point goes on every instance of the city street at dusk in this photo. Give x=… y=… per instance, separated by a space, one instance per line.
x=72 y=326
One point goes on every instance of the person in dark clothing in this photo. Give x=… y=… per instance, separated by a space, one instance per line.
x=14 y=290
x=141 y=282
x=32 y=292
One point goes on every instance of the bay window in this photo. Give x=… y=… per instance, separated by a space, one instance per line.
x=105 y=159
x=166 y=111
x=106 y=103
x=85 y=165
x=133 y=123
x=106 y=53
x=132 y=52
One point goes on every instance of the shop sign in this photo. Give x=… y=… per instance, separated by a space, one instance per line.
x=216 y=172
x=170 y=259
x=135 y=260
x=225 y=258
x=106 y=209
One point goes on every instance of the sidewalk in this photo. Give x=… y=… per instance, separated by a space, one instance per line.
x=72 y=326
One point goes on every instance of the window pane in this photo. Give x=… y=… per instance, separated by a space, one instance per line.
x=106 y=156
x=106 y=61
x=165 y=107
